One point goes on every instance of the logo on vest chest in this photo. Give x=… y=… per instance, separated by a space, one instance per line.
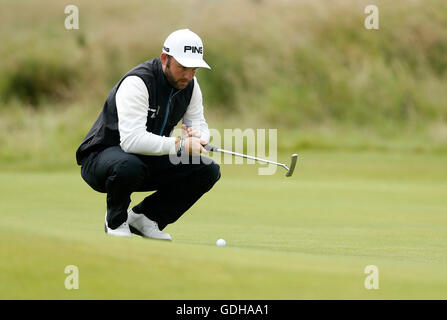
x=154 y=111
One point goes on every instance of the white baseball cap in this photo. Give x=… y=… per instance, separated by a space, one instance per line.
x=186 y=47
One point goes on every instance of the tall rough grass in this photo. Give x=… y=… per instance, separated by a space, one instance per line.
x=285 y=64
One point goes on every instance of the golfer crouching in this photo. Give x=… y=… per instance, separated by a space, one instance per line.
x=130 y=149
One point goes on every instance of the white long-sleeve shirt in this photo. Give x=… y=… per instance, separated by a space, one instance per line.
x=132 y=104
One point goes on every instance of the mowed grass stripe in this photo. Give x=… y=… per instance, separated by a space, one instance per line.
x=293 y=238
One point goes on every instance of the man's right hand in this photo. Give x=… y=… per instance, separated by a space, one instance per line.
x=194 y=146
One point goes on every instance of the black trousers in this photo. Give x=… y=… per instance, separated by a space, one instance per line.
x=178 y=186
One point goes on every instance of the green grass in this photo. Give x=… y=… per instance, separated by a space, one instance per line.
x=305 y=237
x=372 y=102
x=290 y=63
x=309 y=69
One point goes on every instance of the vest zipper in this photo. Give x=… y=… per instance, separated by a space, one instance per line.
x=167 y=112
x=171 y=96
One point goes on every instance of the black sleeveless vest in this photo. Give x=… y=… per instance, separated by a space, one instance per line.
x=167 y=107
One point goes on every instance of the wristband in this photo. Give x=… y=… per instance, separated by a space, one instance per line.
x=180 y=150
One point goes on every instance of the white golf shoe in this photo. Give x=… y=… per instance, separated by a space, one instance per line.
x=145 y=227
x=122 y=231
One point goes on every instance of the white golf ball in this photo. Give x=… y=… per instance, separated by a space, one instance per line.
x=220 y=243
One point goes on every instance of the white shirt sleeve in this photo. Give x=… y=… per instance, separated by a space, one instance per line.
x=132 y=104
x=194 y=113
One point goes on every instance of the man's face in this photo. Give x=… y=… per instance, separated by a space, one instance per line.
x=178 y=76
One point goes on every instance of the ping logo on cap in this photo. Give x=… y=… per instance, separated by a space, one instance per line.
x=166 y=49
x=193 y=49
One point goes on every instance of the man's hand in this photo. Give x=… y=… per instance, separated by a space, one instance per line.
x=189 y=132
x=194 y=146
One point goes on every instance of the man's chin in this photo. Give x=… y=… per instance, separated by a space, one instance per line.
x=182 y=85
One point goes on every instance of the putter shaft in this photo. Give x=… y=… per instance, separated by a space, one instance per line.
x=289 y=170
x=249 y=157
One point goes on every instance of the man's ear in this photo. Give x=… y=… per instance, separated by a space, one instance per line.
x=163 y=58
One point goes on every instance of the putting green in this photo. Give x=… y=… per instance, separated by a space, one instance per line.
x=305 y=237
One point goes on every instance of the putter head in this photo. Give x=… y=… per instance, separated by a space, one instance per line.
x=292 y=165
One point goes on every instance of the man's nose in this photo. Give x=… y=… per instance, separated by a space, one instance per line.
x=189 y=74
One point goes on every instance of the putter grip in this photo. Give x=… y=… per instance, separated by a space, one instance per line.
x=209 y=147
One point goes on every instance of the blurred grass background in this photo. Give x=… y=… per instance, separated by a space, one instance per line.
x=308 y=68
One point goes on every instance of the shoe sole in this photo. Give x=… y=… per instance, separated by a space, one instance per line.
x=137 y=232
x=124 y=236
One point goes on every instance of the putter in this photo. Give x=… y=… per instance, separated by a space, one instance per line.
x=289 y=169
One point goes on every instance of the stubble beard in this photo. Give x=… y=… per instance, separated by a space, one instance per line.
x=178 y=84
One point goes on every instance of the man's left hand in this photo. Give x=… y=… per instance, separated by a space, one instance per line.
x=189 y=132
